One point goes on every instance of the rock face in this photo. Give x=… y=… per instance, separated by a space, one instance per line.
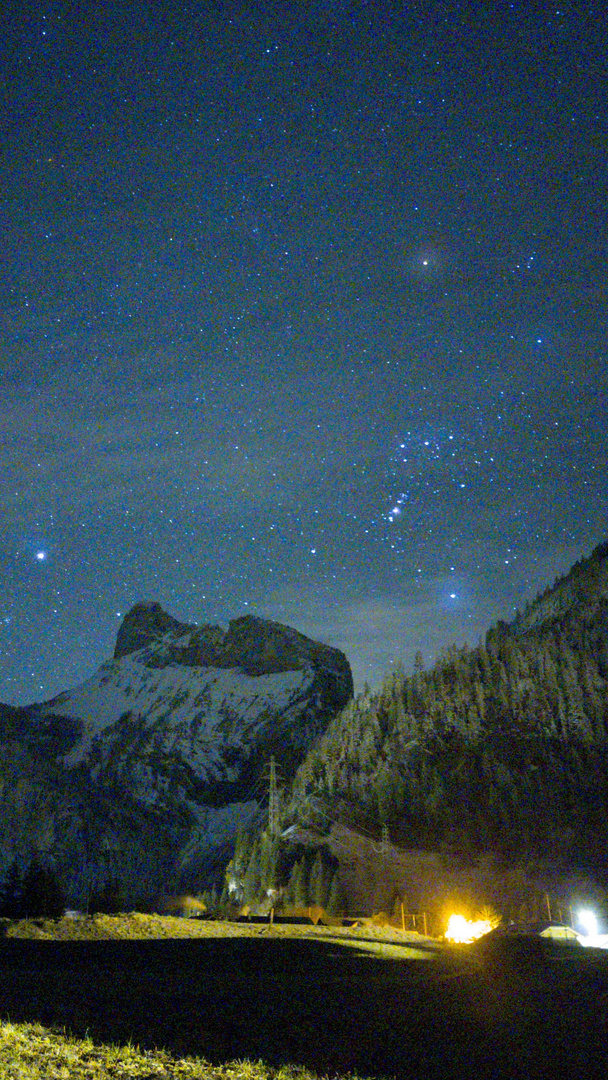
x=144 y=624
x=167 y=746
x=256 y=646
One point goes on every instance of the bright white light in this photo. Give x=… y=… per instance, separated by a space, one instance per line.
x=41 y=556
x=588 y=921
x=452 y=596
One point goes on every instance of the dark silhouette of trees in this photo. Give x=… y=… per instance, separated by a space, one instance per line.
x=10 y=892
x=107 y=900
x=42 y=894
x=31 y=893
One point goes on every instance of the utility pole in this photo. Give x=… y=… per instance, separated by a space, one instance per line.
x=273 y=800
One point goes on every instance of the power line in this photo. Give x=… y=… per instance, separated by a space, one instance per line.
x=382 y=848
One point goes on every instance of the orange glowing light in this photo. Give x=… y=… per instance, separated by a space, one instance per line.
x=464 y=931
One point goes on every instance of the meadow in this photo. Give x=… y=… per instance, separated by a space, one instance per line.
x=261 y=1002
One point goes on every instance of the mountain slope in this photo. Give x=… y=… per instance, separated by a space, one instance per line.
x=498 y=751
x=578 y=596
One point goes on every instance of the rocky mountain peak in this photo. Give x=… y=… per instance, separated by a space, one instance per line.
x=142 y=625
x=255 y=645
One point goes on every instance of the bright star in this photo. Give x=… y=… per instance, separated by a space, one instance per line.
x=41 y=555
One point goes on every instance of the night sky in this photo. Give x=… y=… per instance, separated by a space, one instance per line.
x=303 y=313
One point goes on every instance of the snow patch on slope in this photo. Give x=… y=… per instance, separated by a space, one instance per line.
x=203 y=708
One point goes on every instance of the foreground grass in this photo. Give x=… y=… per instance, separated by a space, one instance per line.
x=133 y=926
x=304 y=1001
x=32 y=1052
x=128 y=926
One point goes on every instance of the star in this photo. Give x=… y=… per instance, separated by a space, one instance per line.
x=193 y=386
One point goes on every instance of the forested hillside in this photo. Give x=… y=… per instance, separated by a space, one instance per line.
x=501 y=748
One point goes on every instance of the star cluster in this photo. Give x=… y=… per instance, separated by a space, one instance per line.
x=304 y=313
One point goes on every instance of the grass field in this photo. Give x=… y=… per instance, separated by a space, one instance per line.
x=135 y=926
x=32 y=1052
x=234 y=1000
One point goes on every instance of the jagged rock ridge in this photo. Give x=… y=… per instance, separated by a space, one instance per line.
x=256 y=646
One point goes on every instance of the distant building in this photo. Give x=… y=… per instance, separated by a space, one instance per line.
x=553 y=931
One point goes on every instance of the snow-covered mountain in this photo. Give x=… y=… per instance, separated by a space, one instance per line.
x=167 y=744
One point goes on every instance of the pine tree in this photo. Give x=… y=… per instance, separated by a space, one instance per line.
x=268 y=858
x=335 y=900
x=41 y=894
x=317 y=893
x=107 y=900
x=296 y=894
x=252 y=878
x=12 y=892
